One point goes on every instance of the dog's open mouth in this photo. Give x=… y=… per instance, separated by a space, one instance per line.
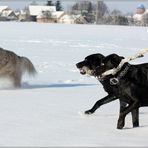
x=85 y=70
x=82 y=71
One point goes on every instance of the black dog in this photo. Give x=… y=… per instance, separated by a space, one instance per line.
x=130 y=84
x=94 y=65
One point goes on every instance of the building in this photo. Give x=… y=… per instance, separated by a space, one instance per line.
x=141 y=16
x=7 y=14
x=3 y=8
x=36 y=10
x=50 y=17
x=72 y=19
x=140 y=9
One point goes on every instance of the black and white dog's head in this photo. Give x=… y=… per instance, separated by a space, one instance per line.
x=90 y=63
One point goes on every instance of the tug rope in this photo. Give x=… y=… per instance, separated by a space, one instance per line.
x=115 y=70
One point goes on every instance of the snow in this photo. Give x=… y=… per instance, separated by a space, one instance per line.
x=49 y=109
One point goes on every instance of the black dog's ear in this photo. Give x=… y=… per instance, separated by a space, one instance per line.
x=116 y=59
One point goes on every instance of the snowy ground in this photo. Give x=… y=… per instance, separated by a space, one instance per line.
x=48 y=110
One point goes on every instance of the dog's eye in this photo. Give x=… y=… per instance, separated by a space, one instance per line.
x=86 y=61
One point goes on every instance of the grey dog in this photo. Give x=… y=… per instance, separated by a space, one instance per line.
x=13 y=66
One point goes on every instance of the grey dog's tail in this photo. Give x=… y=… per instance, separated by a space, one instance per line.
x=27 y=66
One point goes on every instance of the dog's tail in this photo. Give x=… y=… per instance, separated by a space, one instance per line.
x=27 y=66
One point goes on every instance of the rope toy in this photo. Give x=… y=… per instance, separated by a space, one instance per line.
x=115 y=70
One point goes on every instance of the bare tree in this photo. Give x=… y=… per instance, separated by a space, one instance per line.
x=101 y=10
x=116 y=12
x=86 y=9
x=83 y=6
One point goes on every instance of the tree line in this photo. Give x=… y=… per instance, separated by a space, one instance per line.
x=99 y=13
x=57 y=4
x=96 y=13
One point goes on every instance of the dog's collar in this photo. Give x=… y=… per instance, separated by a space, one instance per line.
x=121 y=74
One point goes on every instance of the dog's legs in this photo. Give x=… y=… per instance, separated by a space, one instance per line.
x=104 y=100
x=16 y=80
x=122 y=107
x=135 y=113
x=131 y=107
x=17 y=83
x=135 y=117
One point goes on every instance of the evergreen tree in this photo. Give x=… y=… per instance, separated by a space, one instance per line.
x=50 y=3
x=90 y=7
x=58 y=6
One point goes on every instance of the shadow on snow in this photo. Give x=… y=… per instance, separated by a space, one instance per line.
x=27 y=86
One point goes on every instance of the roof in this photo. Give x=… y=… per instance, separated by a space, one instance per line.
x=36 y=10
x=140 y=6
x=6 y=13
x=3 y=8
x=57 y=14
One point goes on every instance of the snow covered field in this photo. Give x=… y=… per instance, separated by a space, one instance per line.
x=48 y=109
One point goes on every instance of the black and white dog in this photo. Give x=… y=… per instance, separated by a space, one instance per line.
x=129 y=85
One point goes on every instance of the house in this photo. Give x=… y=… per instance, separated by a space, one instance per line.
x=141 y=12
x=140 y=9
x=79 y=19
x=36 y=10
x=67 y=19
x=72 y=19
x=3 y=8
x=50 y=17
x=22 y=16
x=57 y=15
x=7 y=14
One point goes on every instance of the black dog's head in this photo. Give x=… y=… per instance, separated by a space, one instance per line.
x=109 y=62
x=90 y=63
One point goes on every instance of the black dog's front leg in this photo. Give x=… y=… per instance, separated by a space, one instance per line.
x=104 y=100
x=121 y=121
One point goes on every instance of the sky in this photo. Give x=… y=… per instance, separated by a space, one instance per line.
x=123 y=5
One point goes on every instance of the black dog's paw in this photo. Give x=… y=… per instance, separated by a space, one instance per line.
x=88 y=112
x=120 y=126
x=136 y=124
x=121 y=123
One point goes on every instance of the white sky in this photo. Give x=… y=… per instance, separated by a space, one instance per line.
x=122 y=5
